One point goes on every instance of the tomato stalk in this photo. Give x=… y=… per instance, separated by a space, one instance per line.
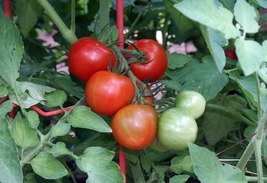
x=255 y=145
x=125 y=67
x=67 y=33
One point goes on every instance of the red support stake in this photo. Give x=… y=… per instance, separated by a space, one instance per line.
x=7 y=8
x=120 y=26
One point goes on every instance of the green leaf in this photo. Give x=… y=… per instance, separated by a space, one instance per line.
x=177 y=60
x=97 y=163
x=172 y=84
x=209 y=170
x=250 y=55
x=28 y=12
x=246 y=16
x=217 y=123
x=215 y=41
x=60 y=129
x=59 y=149
x=31 y=94
x=210 y=13
x=181 y=163
x=249 y=88
x=184 y=25
x=24 y=136
x=3 y=91
x=262 y=3
x=205 y=79
x=5 y=108
x=11 y=50
x=47 y=166
x=56 y=98
x=179 y=179
x=10 y=169
x=83 y=117
x=33 y=119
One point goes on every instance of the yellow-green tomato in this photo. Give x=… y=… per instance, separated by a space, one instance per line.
x=191 y=101
x=176 y=128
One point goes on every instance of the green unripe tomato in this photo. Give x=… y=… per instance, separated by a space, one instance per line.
x=176 y=128
x=191 y=101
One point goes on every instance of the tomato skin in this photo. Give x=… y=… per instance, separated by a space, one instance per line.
x=156 y=62
x=230 y=53
x=192 y=101
x=87 y=56
x=107 y=92
x=135 y=126
x=176 y=129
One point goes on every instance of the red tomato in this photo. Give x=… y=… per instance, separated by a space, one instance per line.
x=135 y=126
x=87 y=56
x=156 y=62
x=230 y=53
x=107 y=92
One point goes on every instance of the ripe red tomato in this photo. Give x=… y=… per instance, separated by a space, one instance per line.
x=230 y=53
x=135 y=126
x=107 y=92
x=156 y=62
x=87 y=56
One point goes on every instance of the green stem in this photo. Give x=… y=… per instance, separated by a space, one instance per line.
x=254 y=179
x=36 y=150
x=137 y=172
x=103 y=14
x=67 y=33
x=258 y=144
x=131 y=29
x=72 y=26
x=259 y=96
x=125 y=67
x=246 y=155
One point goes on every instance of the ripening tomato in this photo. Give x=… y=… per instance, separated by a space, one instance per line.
x=156 y=62
x=107 y=92
x=135 y=126
x=88 y=56
x=176 y=129
x=230 y=53
x=192 y=101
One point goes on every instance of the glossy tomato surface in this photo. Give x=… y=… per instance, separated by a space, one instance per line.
x=192 y=101
x=230 y=53
x=107 y=92
x=135 y=126
x=87 y=56
x=176 y=129
x=156 y=62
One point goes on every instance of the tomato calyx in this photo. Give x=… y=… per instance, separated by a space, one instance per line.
x=122 y=67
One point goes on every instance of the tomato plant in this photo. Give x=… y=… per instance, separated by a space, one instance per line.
x=135 y=126
x=192 y=101
x=107 y=92
x=47 y=134
x=156 y=61
x=87 y=56
x=176 y=129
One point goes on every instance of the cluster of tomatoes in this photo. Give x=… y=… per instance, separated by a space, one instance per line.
x=135 y=123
